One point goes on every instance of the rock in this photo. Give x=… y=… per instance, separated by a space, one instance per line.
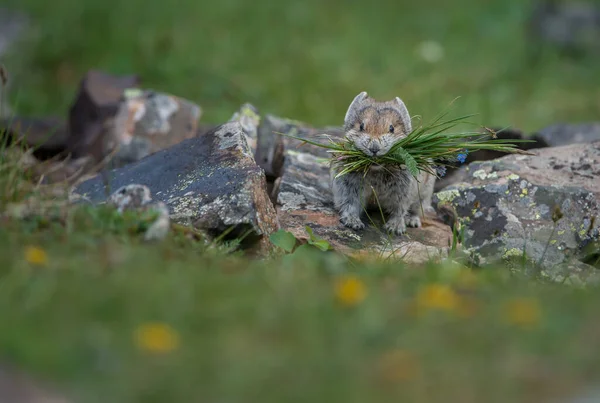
x=249 y=118
x=149 y=121
x=305 y=199
x=486 y=155
x=210 y=182
x=137 y=197
x=572 y=27
x=564 y=134
x=270 y=151
x=96 y=104
x=47 y=136
x=507 y=205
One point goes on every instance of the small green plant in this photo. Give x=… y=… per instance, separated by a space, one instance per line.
x=286 y=241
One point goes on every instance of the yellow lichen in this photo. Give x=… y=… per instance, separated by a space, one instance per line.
x=514 y=252
x=448 y=195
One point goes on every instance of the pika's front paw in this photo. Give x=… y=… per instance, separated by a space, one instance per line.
x=352 y=222
x=396 y=225
x=413 y=221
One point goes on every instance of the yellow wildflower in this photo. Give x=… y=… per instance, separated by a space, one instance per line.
x=524 y=312
x=350 y=290
x=437 y=297
x=156 y=338
x=398 y=365
x=36 y=256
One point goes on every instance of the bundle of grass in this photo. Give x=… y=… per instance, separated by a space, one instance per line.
x=428 y=148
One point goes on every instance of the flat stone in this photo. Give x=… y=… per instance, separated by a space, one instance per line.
x=506 y=206
x=210 y=182
x=305 y=199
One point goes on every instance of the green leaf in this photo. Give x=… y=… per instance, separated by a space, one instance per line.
x=409 y=161
x=322 y=244
x=317 y=241
x=284 y=240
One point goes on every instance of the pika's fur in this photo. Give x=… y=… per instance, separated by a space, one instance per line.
x=375 y=127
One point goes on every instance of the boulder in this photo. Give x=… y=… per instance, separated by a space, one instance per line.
x=149 y=121
x=304 y=198
x=210 y=182
x=543 y=205
x=97 y=102
x=563 y=134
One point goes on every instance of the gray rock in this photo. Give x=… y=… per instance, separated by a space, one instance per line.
x=249 y=118
x=270 y=151
x=210 y=182
x=535 y=141
x=304 y=198
x=149 y=121
x=506 y=206
x=564 y=134
x=138 y=198
x=90 y=116
x=572 y=27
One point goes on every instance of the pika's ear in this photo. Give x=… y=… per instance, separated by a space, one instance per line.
x=404 y=116
x=354 y=105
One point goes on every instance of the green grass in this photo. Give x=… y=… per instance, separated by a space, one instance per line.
x=304 y=60
x=275 y=331
x=250 y=331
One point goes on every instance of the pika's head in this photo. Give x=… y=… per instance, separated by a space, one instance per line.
x=374 y=127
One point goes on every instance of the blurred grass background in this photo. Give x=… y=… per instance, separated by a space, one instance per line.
x=306 y=60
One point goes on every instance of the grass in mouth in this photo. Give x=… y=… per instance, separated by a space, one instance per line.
x=430 y=148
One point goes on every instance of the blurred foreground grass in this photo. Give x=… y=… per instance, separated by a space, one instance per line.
x=86 y=304
x=306 y=60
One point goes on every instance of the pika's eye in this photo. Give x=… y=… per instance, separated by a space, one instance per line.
x=362 y=127
x=391 y=129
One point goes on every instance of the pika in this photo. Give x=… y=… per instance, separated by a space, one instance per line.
x=374 y=127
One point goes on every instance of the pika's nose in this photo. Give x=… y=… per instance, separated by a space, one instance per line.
x=374 y=149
